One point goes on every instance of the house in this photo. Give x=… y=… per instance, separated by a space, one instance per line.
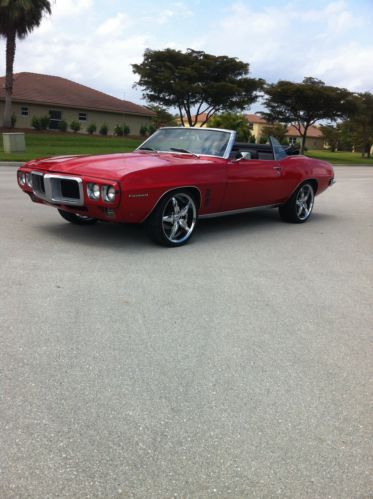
x=200 y=119
x=258 y=123
x=61 y=99
x=314 y=140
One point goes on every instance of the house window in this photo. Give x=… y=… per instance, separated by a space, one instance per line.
x=24 y=111
x=292 y=141
x=55 y=118
x=82 y=116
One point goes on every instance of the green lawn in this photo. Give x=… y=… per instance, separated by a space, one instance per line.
x=54 y=144
x=340 y=158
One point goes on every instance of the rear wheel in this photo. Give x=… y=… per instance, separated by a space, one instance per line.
x=299 y=207
x=173 y=221
x=76 y=218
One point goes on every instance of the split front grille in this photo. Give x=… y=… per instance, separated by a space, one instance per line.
x=58 y=189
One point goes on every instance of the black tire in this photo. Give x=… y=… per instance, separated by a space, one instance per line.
x=173 y=220
x=77 y=219
x=299 y=207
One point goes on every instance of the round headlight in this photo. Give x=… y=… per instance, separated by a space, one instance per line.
x=22 y=178
x=93 y=191
x=29 y=180
x=96 y=191
x=110 y=193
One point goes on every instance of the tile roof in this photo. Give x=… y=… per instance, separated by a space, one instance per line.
x=57 y=91
x=255 y=118
x=313 y=132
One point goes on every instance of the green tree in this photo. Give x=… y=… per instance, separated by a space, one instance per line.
x=276 y=130
x=162 y=117
x=17 y=19
x=233 y=121
x=303 y=104
x=360 y=123
x=195 y=80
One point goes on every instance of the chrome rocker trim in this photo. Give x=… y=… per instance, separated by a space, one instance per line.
x=237 y=212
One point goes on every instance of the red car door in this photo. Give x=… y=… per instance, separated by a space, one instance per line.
x=254 y=182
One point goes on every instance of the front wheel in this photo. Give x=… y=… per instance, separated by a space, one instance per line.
x=77 y=219
x=173 y=221
x=299 y=207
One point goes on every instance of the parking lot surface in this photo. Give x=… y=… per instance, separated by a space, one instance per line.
x=236 y=366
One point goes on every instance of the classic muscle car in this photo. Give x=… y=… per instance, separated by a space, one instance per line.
x=175 y=177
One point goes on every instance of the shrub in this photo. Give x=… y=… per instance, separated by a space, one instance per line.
x=143 y=131
x=91 y=128
x=104 y=129
x=62 y=125
x=75 y=126
x=44 y=122
x=263 y=139
x=121 y=130
x=13 y=120
x=41 y=123
x=118 y=130
x=152 y=129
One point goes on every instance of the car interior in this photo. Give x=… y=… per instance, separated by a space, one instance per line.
x=257 y=151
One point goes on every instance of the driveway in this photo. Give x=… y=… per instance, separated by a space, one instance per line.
x=236 y=366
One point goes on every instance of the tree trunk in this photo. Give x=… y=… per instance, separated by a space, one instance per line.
x=10 y=53
x=303 y=142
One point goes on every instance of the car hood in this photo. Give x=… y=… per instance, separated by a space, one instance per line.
x=110 y=166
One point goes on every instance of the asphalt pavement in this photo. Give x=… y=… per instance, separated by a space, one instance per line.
x=235 y=366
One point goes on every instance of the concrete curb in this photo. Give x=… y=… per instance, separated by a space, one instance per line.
x=17 y=164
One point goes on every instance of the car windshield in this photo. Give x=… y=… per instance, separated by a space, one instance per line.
x=189 y=140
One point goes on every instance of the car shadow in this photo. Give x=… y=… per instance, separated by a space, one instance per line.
x=133 y=235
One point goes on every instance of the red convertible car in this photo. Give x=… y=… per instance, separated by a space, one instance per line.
x=175 y=177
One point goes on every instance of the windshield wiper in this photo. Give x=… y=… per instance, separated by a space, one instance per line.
x=176 y=149
x=148 y=149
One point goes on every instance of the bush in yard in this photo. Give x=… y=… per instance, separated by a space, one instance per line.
x=41 y=123
x=118 y=130
x=75 y=126
x=121 y=130
x=104 y=129
x=62 y=126
x=152 y=129
x=143 y=131
x=13 y=120
x=91 y=128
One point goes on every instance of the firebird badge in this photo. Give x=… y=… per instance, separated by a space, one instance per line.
x=145 y=195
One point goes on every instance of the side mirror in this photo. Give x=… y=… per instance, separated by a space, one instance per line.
x=243 y=155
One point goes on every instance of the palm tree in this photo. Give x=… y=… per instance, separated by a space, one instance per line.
x=17 y=19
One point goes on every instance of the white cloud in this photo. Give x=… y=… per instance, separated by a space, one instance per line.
x=70 y=8
x=114 y=26
x=286 y=41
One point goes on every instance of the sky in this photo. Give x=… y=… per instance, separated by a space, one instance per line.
x=94 y=42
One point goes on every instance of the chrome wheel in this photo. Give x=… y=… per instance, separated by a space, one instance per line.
x=304 y=202
x=179 y=218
